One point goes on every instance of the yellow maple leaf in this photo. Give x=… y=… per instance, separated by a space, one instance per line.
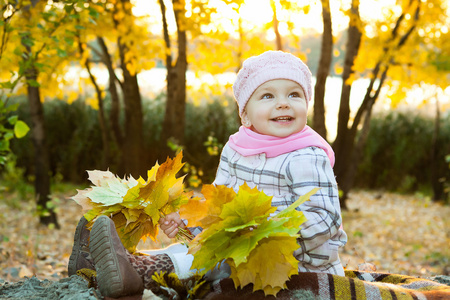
x=267 y=273
x=131 y=198
x=246 y=275
x=194 y=211
x=274 y=272
x=205 y=212
x=132 y=215
x=151 y=174
x=165 y=190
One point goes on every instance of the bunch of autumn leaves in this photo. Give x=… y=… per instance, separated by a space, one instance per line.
x=239 y=228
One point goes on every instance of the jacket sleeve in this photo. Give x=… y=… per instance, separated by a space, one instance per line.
x=320 y=235
x=223 y=171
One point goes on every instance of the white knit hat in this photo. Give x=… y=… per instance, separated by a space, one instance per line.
x=268 y=66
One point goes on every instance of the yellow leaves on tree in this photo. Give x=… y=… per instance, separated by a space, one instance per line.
x=242 y=230
x=135 y=206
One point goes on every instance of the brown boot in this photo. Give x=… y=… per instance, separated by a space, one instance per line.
x=116 y=277
x=80 y=257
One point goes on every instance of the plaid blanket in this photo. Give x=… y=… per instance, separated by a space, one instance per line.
x=355 y=285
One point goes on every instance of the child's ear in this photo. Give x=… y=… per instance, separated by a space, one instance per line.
x=245 y=120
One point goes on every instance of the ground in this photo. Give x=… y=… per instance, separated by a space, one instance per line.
x=403 y=234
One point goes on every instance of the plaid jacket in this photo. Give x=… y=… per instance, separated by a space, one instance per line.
x=286 y=177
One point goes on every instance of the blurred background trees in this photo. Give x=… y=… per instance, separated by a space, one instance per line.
x=120 y=84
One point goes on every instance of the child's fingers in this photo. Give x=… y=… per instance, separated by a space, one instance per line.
x=171 y=230
x=166 y=225
x=173 y=233
x=172 y=217
x=170 y=223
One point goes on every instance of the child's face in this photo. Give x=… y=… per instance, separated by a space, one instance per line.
x=277 y=108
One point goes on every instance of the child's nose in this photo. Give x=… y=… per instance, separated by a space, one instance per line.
x=282 y=102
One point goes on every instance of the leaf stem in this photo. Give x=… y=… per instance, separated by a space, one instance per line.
x=184 y=235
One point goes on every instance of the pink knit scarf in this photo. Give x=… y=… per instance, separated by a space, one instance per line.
x=247 y=142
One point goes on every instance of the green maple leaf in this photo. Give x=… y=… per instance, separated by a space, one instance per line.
x=104 y=196
x=211 y=251
x=244 y=232
x=250 y=224
x=245 y=242
x=110 y=192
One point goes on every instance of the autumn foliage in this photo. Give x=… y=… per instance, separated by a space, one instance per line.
x=135 y=206
x=242 y=230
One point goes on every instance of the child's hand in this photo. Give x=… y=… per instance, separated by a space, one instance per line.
x=169 y=224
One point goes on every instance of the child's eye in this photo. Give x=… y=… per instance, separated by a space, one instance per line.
x=294 y=95
x=267 y=96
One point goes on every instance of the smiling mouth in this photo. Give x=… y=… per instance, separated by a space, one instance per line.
x=283 y=119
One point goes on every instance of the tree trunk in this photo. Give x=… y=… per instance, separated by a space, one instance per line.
x=47 y=215
x=115 y=102
x=240 y=51
x=438 y=189
x=239 y=64
x=105 y=158
x=347 y=157
x=132 y=147
x=174 y=118
x=179 y=107
x=352 y=169
x=114 y=115
x=323 y=71
x=133 y=143
x=275 y=26
x=343 y=145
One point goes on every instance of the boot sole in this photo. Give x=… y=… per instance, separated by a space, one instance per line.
x=72 y=266
x=109 y=278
